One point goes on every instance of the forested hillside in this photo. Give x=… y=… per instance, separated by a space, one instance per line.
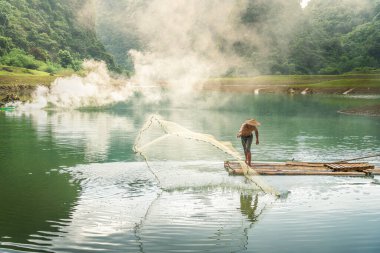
x=335 y=37
x=47 y=35
x=327 y=37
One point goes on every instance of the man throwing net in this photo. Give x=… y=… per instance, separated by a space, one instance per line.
x=246 y=135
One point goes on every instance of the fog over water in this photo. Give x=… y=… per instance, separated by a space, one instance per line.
x=177 y=45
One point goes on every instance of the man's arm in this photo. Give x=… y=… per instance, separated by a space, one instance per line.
x=257 y=135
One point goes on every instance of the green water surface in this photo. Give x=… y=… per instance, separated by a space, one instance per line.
x=70 y=182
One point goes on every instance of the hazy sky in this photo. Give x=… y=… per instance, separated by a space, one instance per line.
x=304 y=3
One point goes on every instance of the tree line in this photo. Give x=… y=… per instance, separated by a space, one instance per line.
x=334 y=37
x=327 y=37
x=46 y=35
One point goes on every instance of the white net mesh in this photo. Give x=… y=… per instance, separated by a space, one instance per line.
x=170 y=129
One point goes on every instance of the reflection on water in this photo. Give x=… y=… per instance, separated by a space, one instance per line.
x=121 y=208
x=322 y=214
x=71 y=183
x=293 y=127
x=247 y=208
x=219 y=228
x=91 y=132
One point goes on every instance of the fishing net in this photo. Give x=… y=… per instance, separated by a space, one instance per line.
x=171 y=129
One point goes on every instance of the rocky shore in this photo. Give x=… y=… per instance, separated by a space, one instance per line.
x=373 y=110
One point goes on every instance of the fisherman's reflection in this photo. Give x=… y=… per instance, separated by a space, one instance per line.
x=247 y=207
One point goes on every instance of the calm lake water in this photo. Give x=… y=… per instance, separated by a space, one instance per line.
x=70 y=182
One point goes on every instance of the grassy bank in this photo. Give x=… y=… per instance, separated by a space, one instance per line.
x=300 y=80
x=21 y=82
x=361 y=83
x=13 y=76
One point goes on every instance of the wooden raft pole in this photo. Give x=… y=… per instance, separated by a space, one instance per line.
x=305 y=168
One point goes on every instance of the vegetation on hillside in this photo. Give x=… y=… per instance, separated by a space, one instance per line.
x=335 y=37
x=327 y=37
x=47 y=35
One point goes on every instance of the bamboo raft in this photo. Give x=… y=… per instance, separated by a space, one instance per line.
x=305 y=168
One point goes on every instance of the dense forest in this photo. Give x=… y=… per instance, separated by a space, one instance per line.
x=47 y=35
x=326 y=37
x=335 y=37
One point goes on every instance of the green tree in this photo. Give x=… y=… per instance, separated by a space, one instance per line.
x=65 y=58
x=39 y=54
x=42 y=28
x=5 y=45
x=17 y=57
x=336 y=37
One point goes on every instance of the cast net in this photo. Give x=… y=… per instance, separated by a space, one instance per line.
x=170 y=129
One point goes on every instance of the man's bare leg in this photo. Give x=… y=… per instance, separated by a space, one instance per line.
x=249 y=159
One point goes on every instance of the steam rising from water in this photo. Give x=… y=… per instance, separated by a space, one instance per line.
x=96 y=88
x=180 y=44
x=183 y=43
x=184 y=39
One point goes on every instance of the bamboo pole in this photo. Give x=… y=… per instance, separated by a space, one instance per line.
x=358 y=158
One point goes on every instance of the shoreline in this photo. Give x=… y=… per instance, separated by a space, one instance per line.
x=21 y=82
x=21 y=86
x=291 y=89
x=299 y=84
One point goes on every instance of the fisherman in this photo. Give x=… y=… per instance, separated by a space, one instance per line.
x=246 y=135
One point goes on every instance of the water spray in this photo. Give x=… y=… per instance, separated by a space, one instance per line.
x=173 y=129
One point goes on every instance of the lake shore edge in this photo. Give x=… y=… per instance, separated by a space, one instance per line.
x=22 y=87
x=303 y=84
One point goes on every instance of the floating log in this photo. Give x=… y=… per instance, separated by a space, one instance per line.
x=349 y=166
x=307 y=164
x=304 y=168
x=375 y=171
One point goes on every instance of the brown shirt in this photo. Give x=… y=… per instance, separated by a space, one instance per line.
x=246 y=130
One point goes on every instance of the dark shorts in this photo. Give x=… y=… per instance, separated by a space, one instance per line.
x=246 y=141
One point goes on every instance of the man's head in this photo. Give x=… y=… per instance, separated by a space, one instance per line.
x=252 y=122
